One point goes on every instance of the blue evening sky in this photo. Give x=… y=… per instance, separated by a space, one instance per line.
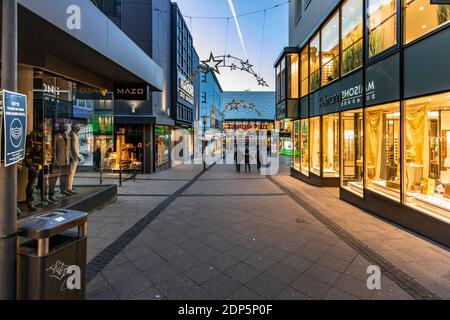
x=210 y=35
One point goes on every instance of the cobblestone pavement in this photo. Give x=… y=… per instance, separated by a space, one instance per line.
x=181 y=234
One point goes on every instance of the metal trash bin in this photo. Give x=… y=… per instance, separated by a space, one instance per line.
x=51 y=258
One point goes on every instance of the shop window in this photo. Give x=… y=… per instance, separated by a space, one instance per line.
x=162 y=140
x=382 y=143
x=296 y=149
x=283 y=79
x=304 y=146
x=352 y=151
x=330 y=50
x=304 y=72
x=382 y=25
x=330 y=147
x=314 y=63
x=278 y=83
x=427 y=154
x=293 y=83
x=352 y=35
x=314 y=132
x=421 y=17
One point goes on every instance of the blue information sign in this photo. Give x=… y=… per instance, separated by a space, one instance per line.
x=14 y=119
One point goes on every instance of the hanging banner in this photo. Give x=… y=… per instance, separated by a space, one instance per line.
x=14 y=121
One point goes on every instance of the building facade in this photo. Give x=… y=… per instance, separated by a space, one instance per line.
x=210 y=100
x=365 y=86
x=68 y=76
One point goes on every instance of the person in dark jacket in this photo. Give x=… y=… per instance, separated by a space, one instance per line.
x=247 y=160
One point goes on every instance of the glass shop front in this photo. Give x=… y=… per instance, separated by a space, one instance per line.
x=61 y=138
x=376 y=126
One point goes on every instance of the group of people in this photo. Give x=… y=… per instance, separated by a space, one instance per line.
x=66 y=156
x=246 y=156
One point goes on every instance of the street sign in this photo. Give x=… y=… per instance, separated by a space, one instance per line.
x=14 y=122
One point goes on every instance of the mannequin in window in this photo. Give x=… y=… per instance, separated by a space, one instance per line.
x=74 y=155
x=33 y=162
x=61 y=161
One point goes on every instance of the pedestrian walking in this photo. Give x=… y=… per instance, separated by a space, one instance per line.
x=247 y=160
x=258 y=158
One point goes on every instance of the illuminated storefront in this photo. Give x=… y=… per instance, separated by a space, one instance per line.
x=372 y=102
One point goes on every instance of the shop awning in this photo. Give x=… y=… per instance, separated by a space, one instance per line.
x=99 y=53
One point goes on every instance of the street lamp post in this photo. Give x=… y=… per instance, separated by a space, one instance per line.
x=8 y=176
x=204 y=120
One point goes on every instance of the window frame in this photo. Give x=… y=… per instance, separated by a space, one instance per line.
x=398 y=24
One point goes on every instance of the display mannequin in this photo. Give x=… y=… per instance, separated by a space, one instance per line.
x=33 y=162
x=61 y=162
x=74 y=155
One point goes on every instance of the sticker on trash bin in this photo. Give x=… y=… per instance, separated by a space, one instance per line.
x=59 y=219
x=68 y=275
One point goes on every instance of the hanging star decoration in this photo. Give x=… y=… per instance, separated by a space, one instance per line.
x=211 y=65
x=261 y=81
x=246 y=66
x=226 y=61
x=240 y=104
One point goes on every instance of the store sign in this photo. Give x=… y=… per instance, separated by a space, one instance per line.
x=137 y=91
x=13 y=108
x=186 y=89
x=348 y=96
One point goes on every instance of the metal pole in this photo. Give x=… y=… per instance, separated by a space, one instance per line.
x=8 y=176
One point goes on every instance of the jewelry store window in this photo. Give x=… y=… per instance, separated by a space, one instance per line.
x=314 y=131
x=427 y=154
x=330 y=145
x=352 y=151
x=304 y=146
x=382 y=143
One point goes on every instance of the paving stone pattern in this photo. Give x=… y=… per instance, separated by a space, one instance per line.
x=228 y=235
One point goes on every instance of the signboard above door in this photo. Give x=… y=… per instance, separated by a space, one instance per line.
x=131 y=91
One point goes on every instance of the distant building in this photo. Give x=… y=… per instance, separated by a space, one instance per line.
x=244 y=116
x=210 y=100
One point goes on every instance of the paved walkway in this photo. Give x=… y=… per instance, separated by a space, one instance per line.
x=181 y=234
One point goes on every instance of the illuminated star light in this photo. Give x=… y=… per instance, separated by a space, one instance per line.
x=211 y=65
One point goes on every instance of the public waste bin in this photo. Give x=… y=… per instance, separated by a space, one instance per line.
x=51 y=256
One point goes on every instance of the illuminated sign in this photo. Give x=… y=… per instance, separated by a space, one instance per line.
x=137 y=91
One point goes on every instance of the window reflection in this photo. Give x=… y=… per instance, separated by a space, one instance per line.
x=330 y=50
x=304 y=71
x=314 y=58
x=422 y=17
x=382 y=25
x=352 y=35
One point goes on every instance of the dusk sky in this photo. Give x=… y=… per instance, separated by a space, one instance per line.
x=210 y=35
